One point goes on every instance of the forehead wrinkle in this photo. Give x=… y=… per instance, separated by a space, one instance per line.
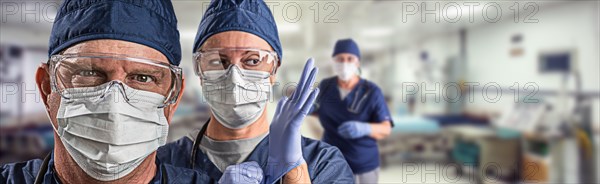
x=117 y=47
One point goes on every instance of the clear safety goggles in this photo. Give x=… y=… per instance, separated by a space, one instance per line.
x=221 y=59
x=72 y=71
x=342 y=59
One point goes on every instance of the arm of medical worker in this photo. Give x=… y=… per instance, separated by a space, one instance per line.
x=358 y=129
x=380 y=130
x=285 y=145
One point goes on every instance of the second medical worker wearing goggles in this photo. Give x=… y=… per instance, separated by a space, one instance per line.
x=353 y=113
x=110 y=88
x=237 y=54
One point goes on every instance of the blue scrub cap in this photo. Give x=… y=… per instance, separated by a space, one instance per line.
x=147 y=22
x=346 y=46
x=251 y=16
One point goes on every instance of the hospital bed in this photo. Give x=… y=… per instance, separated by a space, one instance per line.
x=425 y=138
x=414 y=138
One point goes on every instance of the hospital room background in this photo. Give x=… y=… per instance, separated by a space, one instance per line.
x=479 y=91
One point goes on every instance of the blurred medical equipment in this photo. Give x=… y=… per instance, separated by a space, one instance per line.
x=414 y=138
x=566 y=135
x=25 y=131
x=557 y=140
x=491 y=154
x=11 y=64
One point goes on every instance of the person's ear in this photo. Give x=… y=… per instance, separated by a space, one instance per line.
x=170 y=110
x=42 y=78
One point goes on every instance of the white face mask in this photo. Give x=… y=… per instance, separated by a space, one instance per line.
x=238 y=98
x=345 y=70
x=107 y=136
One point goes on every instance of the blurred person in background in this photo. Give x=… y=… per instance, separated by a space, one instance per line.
x=237 y=54
x=110 y=88
x=353 y=113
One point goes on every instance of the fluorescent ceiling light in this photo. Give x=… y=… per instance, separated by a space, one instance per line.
x=288 y=27
x=377 y=31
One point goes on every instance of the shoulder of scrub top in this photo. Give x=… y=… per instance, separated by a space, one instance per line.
x=173 y=174
x=328 y=81
x=21 y=172
x=371 y=85
x=326 y=164
x=175 y=153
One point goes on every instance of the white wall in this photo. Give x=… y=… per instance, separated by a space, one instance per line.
x=407 y=62
x=561 y=26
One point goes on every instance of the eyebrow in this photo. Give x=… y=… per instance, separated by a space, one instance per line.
x=146 y=71
x=126 y=68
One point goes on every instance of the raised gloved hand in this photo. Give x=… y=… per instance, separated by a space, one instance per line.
x=354 y=129
x=285 y=149
x=245 y=172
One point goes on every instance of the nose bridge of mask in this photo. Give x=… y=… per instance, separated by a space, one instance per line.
x=248 y=86
x=239 y=86
x=114 y=88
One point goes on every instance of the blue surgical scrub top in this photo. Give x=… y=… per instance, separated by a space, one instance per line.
x=325 y=162
x=25 y=173
x=364 y=103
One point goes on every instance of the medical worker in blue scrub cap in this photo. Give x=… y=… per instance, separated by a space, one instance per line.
x=237 y=54
x=110 y=87
x=353 y=113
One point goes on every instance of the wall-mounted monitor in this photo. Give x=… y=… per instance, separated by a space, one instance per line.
x=556 y=61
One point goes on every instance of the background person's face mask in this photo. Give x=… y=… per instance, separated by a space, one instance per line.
x=345 y=70
x=238 y=98
x=108 y=136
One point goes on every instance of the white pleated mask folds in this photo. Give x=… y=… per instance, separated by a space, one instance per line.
x=110 y=132
x=345 y=70
x=236 y=97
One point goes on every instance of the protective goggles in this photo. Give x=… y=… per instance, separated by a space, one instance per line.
x=70 y=71
x=341 y=59
x=221 y=59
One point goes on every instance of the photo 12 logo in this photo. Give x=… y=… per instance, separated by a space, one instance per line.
x=452 y=12
x=28 y=11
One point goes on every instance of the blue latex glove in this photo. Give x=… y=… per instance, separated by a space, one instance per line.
x=354 y=129
x=285 y=149
x=246 y=172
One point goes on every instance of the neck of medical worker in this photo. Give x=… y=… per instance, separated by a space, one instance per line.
x=217 y=131
x=348 y=85
x=69 y=172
